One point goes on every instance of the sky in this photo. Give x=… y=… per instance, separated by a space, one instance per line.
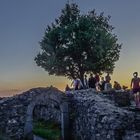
x=22 y=26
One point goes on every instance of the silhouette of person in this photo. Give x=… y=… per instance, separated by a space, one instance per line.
x=85 y=82
x=135 y=85
x=67 y=88
x=75 y=83
x=108 y=85
x=102 y=84
x=97 y=77
x=117 y=86
x=92 y=82
x=107 y=78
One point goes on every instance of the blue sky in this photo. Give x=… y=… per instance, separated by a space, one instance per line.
x=22 y=25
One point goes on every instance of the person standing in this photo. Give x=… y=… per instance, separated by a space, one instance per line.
x=102 y=84
x=75 y=83
x=97 y=78
x=135 y=85
x=108 y=85
x=92 y=82
x=107 y=78
x=85 y=82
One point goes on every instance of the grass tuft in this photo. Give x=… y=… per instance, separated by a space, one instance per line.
x=48 y=130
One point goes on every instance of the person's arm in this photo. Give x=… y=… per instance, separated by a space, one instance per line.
x=81 y=84
x=72 y=83
x=139 y=82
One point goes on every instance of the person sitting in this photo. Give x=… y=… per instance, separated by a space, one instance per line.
x=108 y=86
x=117 y=86
x=124 y=87
x=67 y=88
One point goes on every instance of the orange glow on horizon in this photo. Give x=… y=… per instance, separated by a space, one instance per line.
x=60 y=84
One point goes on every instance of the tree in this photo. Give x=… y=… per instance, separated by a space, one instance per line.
x=76 y=44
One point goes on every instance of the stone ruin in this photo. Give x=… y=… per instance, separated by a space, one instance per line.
x=17 y=113
x=83 y=114
x=100 y=117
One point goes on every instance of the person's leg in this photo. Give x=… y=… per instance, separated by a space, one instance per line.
x=96 y=85
x=105 y=86
x=135 y=99
x=138 y=99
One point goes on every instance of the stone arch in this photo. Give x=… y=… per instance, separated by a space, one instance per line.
x=50 y=110
x=41 y=99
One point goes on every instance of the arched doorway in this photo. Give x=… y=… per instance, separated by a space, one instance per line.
x=48 y=106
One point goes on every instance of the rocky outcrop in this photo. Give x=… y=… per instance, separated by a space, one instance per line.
x=95 y=117
x=92 y=115
x=16 y=111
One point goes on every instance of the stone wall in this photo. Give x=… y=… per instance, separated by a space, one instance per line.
x=17 y=112
x=92 y=115
x=95 y=117
x=49 y=111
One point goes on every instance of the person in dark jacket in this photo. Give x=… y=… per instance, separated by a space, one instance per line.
x=92 y=82
x=102 y=84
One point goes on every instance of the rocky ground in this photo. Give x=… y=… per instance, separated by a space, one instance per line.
x=93 y=115
x=103 y=116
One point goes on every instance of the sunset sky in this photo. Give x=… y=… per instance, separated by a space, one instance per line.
x=22 y=25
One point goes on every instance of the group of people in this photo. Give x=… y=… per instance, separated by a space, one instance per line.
x=104 y=84
x=97 y=84
x=92 y=82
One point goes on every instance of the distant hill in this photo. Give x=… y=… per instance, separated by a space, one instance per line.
x=7 y=93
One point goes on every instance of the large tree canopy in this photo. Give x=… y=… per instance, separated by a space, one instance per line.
x=76 y=44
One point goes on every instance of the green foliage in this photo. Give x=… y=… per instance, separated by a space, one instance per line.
x=47 y=130
x=76 y=44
